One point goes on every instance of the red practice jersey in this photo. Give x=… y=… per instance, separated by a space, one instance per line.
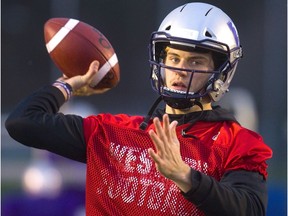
x=122 y=178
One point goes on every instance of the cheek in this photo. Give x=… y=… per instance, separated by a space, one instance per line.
x=166 y=75
x=201 y=75
x=199 y=80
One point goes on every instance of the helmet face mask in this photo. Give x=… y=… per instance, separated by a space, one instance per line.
x=179 y=31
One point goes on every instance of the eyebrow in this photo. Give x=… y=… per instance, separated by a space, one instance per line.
x=197 y=56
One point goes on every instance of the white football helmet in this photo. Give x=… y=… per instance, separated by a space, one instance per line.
x=197 y=27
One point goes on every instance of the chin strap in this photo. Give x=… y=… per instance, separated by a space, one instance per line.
x=178 y=103
x=144 y=124
x=192 y=122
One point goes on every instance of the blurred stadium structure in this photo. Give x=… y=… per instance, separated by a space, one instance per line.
x=257 y=97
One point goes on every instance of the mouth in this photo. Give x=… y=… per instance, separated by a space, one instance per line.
x=179 y=86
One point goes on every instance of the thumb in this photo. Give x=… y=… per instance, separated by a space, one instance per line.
x=93 y=69
x=82 y=80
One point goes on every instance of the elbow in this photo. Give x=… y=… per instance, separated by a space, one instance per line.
x=15 y=129
x=11 y=127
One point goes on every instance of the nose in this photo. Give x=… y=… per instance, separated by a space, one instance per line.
x=182 y=65
x=181 y=73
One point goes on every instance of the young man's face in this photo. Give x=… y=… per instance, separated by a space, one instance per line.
x=179 y=80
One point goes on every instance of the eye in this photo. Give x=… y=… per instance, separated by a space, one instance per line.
x=173 y=59
x=194 y=63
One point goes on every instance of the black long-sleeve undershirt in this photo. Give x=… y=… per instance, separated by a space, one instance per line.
x=35 y=122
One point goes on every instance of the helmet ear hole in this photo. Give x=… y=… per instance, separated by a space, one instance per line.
x=168 y=28
x=208 y=34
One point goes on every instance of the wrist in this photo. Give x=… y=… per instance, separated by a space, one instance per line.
x=65 y=88
x=183 y=180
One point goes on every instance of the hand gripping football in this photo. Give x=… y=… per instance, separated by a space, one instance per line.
x=73 y=45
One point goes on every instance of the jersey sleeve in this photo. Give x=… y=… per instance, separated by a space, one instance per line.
x=248 y=152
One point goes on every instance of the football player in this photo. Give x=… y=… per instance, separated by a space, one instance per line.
x=190 y=158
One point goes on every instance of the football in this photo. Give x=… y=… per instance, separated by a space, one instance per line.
x=73 y=45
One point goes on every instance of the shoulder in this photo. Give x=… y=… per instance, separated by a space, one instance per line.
x=114 y=119
x=240 y=136
x=244 y=134
x=104 y=122
x=247 y=150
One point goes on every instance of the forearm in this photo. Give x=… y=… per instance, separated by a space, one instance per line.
x=238 y=193
x=36 y=123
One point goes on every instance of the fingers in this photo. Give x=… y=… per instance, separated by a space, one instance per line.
x=80 y=81
x=163 y=135
x=167 y=132
x=156 y=136
x=93 y=69
x=173 y=134
x=169 y=128
x=154 y=155
x=167 y=155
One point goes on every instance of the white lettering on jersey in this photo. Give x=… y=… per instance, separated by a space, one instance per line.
x=145 y=189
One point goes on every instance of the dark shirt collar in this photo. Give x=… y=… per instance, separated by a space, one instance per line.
x=215 y=115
